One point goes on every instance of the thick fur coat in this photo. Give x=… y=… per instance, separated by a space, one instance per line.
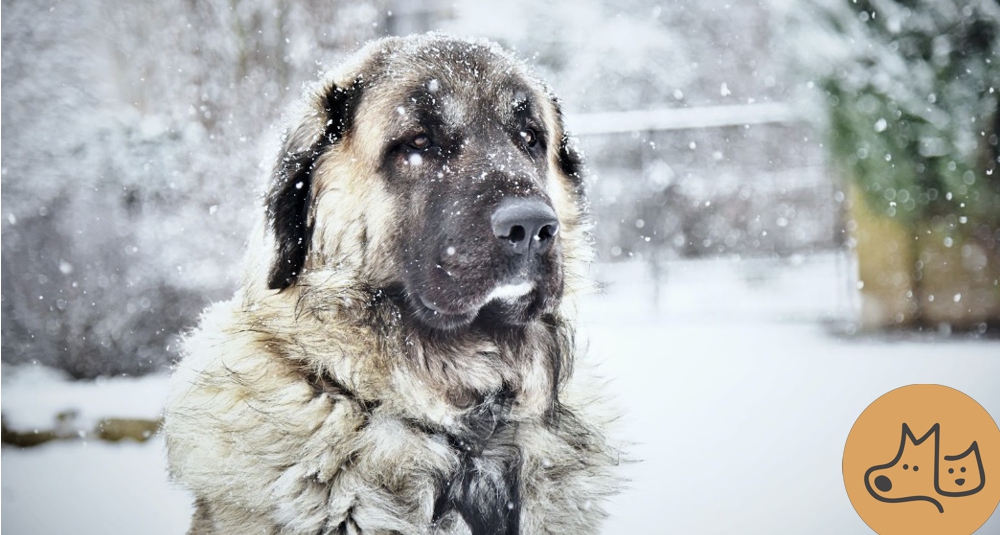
x=399 y=356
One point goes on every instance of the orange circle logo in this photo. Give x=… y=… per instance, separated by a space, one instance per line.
x=923 y=459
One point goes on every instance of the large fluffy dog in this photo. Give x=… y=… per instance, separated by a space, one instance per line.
x=398 y=357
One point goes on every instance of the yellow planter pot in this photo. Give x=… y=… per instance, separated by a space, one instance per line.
x=931 y=274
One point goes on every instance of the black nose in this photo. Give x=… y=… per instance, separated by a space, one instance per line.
x=526 y=224
x=960 y=482
x=883 y=483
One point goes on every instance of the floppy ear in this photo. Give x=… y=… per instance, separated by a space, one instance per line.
x=569 y=158
x=288 y=197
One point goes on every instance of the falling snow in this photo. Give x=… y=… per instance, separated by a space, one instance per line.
x=139 y=135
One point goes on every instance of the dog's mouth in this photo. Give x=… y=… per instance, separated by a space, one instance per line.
x=507 y=301
x=509 y=292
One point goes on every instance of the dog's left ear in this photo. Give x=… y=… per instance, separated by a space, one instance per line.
x=288 y=196
x=569 y=158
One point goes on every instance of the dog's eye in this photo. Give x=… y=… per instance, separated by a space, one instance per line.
x=420 y=141
x=528 y=137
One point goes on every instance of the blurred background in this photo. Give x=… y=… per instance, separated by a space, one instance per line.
x=796 y=203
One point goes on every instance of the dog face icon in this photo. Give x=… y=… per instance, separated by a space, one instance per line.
x=910 y=475
x=962 y=474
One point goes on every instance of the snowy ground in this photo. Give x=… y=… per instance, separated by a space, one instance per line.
x=736 y=396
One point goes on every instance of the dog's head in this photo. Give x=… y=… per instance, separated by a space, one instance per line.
x=438 y=169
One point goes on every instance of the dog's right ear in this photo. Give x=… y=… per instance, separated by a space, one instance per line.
x=288 y=197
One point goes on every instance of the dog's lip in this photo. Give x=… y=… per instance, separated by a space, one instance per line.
x=509 y=291
x=433 y=307
x=438 y=317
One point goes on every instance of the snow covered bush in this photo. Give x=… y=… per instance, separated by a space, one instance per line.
x=133 y=135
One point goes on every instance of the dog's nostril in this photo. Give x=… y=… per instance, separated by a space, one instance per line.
x=883 y=483
x=517 y=234
x=547 y=232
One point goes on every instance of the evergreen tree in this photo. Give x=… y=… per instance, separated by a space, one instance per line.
x=913 y=100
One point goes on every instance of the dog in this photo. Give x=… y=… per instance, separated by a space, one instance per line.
x=398 y=357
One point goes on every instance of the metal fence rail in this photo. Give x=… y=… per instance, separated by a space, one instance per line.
x=621 y=122
x=748 y=179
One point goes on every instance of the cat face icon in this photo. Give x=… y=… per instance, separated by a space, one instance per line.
x=962 y=474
